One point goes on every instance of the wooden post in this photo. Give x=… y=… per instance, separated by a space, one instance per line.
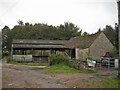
x=118 y=2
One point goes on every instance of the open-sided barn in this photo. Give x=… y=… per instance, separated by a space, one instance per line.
x=36 y=50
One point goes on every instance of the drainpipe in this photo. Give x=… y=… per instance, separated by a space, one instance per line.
x=118 y=3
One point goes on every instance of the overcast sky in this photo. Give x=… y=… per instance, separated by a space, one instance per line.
x=89 y=15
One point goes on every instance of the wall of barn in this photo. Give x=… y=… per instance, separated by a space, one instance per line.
x=81 y=54
x=100 y=46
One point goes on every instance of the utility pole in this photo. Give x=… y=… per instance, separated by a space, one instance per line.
x=118 y=3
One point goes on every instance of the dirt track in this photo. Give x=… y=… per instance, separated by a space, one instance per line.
x=19 y=76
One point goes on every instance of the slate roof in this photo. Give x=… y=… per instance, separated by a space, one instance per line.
x=34 y=41
x=39 y=46
x=30 y=43
x=82 y=41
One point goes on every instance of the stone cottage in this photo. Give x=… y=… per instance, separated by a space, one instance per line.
x=93 y=46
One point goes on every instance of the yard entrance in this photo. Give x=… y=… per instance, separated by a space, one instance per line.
x=21 y=76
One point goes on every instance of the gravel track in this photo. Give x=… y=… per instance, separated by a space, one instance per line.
x=21 y=76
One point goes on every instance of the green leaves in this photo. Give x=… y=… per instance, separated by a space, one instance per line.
x=45 y=31
x=58 y=58
x=6 y=40
x=68 y=30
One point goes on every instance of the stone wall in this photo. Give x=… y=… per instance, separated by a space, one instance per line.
x=81 y=54
x=100 y=46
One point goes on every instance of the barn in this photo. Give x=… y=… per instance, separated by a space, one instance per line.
x=93 y=46
x=36 y=50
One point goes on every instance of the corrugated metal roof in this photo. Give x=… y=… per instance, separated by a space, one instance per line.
x=38 y=46
x=41 y=42
x=30 y=43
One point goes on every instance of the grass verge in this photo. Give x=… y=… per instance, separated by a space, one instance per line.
x=87 y=70
x=111 y=83
x=61 y=68
x=28 y=64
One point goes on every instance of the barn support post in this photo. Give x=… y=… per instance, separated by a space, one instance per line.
x=118 y=3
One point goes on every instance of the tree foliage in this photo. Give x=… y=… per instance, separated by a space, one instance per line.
x=20 y=22
x=45 y=31
x=110 y=33
x=68 y=30
x=58 y=58
x=6 y=39
x=114 y=52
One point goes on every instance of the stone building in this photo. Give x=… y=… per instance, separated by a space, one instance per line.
x=93 y=46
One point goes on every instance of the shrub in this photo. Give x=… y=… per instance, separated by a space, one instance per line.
x=58 y=58
x=114 y=52
x=63 y=58
x=74 y=63
x=9 y=59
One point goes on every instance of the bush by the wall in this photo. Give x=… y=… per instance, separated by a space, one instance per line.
x=9 y=58
x=58 y=58
x=63 y=58
x=74 y=63
x=114 y=52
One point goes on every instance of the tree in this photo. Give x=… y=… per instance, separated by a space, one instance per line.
x=114 y=52
x=85 y=33
x=110 y=33
x=99 y=30
x=20 y=22
x=45 y=31
x=68 y=30
x=116 y=37
x=6 y=40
